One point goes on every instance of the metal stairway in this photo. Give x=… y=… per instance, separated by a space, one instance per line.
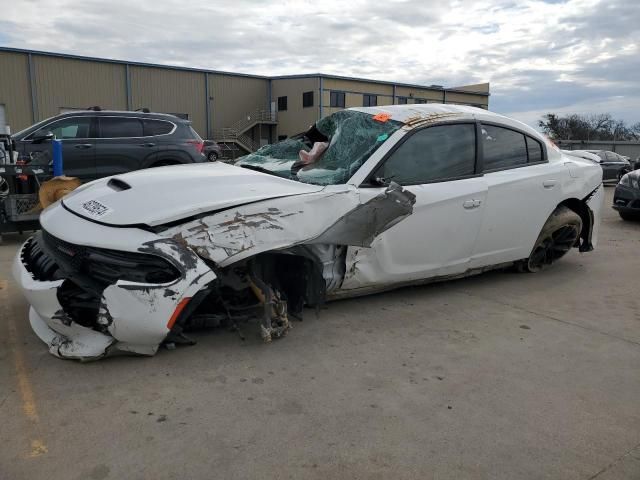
x=235 y=137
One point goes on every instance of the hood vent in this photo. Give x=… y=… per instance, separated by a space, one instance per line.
x=118 y=185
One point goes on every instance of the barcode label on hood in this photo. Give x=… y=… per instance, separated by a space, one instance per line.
x=96 y=209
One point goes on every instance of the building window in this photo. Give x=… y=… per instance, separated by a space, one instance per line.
x=307 y=99
x=369 y=100
x=336 y=99
x=402 y=100
x=282 y=104
x=420 y=100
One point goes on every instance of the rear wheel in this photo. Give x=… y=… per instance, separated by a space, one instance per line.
x=559 y=234
x=213 y=156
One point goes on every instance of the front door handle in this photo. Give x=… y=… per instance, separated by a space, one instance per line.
x=471 y=204
x=84 y=145
x=148 y=144
x=548 y=184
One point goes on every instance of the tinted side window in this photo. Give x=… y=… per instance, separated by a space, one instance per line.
x=433 y=154
x=120 y=127
x=68 y=128
x=156 y=127
x=503 y=148
x=534 y=149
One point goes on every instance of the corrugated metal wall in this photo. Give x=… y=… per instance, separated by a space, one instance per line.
x=14 y=90
x=63 y=83
x=170 y=91
x=232 y=97
x=296 y=119
x=68 y=83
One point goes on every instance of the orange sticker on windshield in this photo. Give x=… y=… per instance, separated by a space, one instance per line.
x=382 y=117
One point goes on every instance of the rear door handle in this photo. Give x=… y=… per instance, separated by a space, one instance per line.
x=470 y=204
x=148 y=144
x=549 y=184
x=84 y=145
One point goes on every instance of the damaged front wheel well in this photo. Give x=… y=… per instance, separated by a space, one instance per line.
x=296 y=273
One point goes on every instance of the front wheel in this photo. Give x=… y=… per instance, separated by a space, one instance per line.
x=559 y=234
x=213 y=156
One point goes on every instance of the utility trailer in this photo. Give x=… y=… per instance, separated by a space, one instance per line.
x=20 y=180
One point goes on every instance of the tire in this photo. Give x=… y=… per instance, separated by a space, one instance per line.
x=213 y=156
x=558 y=235
x=629 y=217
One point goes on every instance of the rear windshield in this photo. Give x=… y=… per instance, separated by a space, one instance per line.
x=349 y=138
x=195 y=134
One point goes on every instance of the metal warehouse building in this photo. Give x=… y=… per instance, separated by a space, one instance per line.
x=241 y=111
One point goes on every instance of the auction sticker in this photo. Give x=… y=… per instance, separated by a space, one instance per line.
x=96 y=209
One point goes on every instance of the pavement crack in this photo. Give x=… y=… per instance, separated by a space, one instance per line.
x=614 y=463
x=551 y=317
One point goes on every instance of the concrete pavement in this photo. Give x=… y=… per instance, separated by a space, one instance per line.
x=500 y=376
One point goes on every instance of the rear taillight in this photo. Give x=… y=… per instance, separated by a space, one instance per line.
x=199 y=144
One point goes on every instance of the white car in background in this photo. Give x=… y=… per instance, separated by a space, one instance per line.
x=368 y=199
x=583 y=154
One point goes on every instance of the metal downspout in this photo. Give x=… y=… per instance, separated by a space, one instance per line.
x=207 y=104
x=321 y=88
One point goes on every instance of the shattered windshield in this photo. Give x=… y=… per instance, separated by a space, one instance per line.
x=329 y=153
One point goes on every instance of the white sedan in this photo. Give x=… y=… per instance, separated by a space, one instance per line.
x=368 y=199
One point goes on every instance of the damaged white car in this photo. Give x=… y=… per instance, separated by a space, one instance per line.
x=366 y=200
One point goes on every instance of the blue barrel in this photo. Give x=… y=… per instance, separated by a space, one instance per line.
x=57 y=158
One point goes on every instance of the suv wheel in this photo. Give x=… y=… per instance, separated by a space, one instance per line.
x=213 y=156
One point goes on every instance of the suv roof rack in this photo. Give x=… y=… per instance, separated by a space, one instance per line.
x=95 y=108
x=143 y=110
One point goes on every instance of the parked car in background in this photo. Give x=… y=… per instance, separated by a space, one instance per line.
x=583 y=154
x=636 y=163
x=366 y=200
x=626 y=198
x=212 y=150
x=614 y=166
x=99 y=143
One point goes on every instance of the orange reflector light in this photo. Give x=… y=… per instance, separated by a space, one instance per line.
x=177 y=312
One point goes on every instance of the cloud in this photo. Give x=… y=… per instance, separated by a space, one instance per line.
x=539 y=55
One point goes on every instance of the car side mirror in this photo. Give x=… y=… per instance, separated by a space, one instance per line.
x=40 y=137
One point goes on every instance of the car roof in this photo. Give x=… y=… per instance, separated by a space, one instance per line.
x=128 y=113
x=424 y=112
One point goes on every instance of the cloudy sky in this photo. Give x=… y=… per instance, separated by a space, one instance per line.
x=540 y=56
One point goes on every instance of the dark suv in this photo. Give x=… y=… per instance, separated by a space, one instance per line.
x=99 y=143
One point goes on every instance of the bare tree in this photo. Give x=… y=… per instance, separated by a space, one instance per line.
x=594 y=127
